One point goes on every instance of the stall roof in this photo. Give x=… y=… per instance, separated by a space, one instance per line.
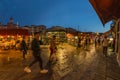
x=106 y=9
x=14 y=32
x=56 y=28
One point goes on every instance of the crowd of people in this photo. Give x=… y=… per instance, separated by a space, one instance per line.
x=34 y=45
x=103 y=40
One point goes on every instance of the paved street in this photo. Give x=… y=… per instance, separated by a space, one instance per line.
x=72 y=64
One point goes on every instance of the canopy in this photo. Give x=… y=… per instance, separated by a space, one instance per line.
x=14 y=32
x=106 y=9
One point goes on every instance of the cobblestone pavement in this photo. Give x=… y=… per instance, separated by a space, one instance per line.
x=72 y=64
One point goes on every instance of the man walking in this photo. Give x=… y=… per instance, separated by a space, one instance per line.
x=35 y=46
x=24 y=47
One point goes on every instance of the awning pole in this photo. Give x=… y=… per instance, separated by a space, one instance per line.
x=117 y=44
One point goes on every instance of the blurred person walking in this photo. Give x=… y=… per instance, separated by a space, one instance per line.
x=53 y=48
x=87 y=43
x=36 y=51
x=105 y=46
x=78 y=43
x=23 y=47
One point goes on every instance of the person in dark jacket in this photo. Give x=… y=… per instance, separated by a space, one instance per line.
x=35 y=46
x=78 y=43
x=24 y=47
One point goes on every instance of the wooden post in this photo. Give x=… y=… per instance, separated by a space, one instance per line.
x=118 y=41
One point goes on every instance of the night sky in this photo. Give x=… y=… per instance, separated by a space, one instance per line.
x=78 y=14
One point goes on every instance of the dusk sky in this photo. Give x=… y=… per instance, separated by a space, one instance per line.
x=78 y=14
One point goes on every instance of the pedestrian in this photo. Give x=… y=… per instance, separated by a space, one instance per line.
x=99 y=41
x=78 y=43
x=87 y=43
x=23 y=47
x=36 y=51
x=53 y=48
x=95 y=40
x=113 y=45
x=105 y=46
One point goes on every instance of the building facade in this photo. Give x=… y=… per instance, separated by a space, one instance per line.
x=10 y=25
x=11 y=29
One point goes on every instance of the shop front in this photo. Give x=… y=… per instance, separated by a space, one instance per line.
x=9 y=37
